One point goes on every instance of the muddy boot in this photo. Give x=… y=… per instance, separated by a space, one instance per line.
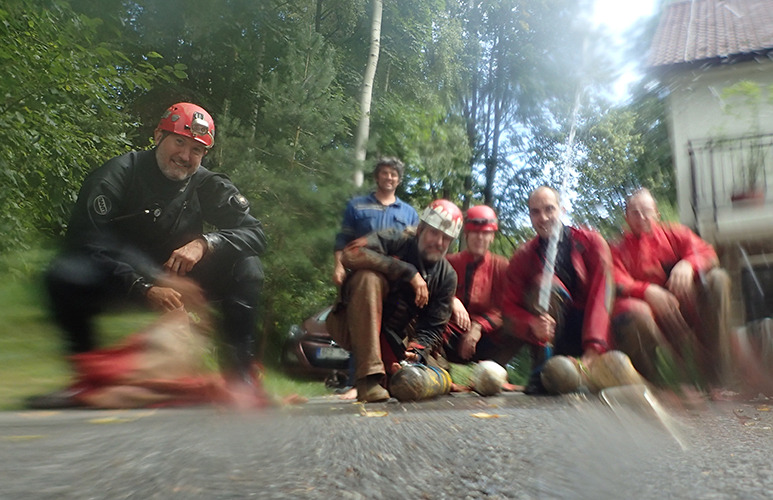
x=369 y=389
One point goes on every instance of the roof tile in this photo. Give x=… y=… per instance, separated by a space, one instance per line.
x=699 y=30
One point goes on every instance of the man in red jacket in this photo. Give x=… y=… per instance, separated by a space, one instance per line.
x=473 y=334
x=671 y=293
x=577 y=321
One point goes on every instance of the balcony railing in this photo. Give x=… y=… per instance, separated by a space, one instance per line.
x=721 y=169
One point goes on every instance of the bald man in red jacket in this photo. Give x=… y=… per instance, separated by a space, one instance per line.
x=671 y=294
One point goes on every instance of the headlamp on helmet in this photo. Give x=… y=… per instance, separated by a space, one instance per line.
x=481 y=218
x=189 y=120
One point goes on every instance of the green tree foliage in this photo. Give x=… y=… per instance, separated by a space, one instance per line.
x=61 y=111
x=526 y=67
x=620 y=151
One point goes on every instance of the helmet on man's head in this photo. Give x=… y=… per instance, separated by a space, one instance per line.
x=443 y=216
x=480 y=218
x=189 y=120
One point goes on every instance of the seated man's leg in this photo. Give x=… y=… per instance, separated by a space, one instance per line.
x=237 y=287
x=356 y=325
x=79 y=288
x=497 y=347
x=714 y=334
x=453 y=336
x=560 y=304
x=637 y=334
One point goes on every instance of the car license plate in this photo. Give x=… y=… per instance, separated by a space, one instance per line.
x=331 y=353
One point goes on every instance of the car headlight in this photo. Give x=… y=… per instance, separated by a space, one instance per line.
x=295 y=332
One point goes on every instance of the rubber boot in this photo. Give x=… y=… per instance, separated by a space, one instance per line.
x=239 y=326
x=370 y=390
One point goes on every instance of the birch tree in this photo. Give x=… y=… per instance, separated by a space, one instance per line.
x=363 y=127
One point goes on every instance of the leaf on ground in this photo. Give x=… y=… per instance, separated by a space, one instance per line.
x=374 y=413
x=121 y=419
x=485 y=415
x=28 y=437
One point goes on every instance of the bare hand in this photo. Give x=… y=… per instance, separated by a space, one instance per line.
x=681 y=279
x=164 y=298
x=420 y=288
x=470 y=341
x=172 y=292
x=339 y=273
x=665 y=305
x=184 y=258
x=412 y=352
x=588 y=357
x=412 y=356
x=459 y=315
x=543 y=327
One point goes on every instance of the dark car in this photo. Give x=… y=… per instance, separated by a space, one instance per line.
x=309 y=350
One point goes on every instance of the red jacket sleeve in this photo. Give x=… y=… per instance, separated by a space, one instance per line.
x=599 y=286
x=519 y=278
x=691 y=247
x=626 y=285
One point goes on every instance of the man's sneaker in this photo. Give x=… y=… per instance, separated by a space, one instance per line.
x=61 y=399
x=369 y=390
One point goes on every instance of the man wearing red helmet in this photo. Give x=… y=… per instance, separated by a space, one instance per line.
x=395 y=303
x=473 y=332
x=137 y=232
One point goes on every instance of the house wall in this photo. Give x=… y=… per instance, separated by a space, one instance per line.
x=697 y=110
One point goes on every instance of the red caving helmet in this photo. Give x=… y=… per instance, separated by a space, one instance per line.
x=189 y=120
x=481 y=218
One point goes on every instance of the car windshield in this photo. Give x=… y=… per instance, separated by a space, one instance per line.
x=323 y=315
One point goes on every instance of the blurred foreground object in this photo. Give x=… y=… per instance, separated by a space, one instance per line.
x=564 y=374
x=163 y=365
x=415 y=382
x=752 y=354
x=639 y=400
x=488 y=377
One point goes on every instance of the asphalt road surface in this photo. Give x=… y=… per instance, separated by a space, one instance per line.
x=455 y=447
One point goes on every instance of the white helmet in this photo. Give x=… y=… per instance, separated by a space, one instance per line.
x=443 y=216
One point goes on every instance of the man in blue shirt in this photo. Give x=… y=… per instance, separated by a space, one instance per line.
x=379 y=210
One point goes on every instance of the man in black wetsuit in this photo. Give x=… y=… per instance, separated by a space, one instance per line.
x=137 y=233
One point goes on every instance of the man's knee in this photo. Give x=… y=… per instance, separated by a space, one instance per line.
x=718 y=283
x=240 y=281
x=366 y=279
x=633 y=323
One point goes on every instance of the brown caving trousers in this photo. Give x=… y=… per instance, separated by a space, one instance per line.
x=355 y=322
x=706 y=311
x=636 y=333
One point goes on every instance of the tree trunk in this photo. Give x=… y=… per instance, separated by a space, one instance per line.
x=363 y=128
